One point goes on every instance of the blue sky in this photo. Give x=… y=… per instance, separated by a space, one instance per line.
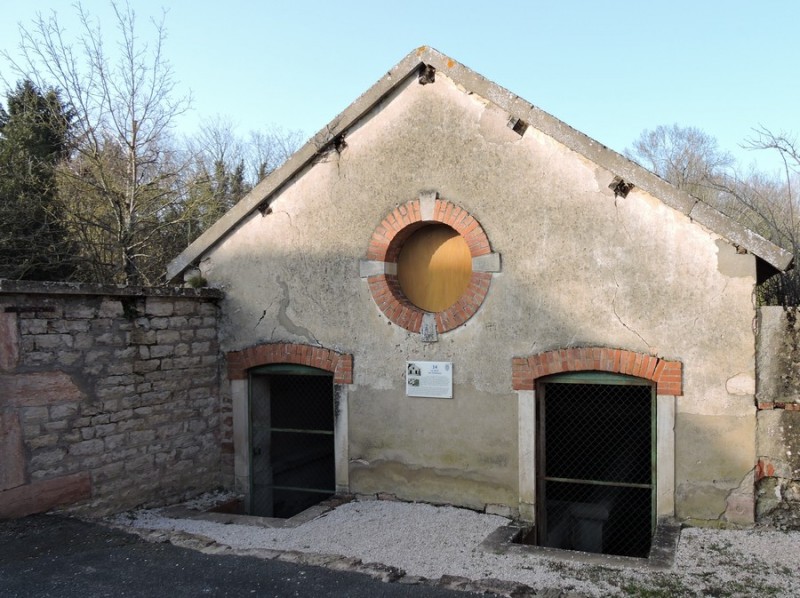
x=608 y=68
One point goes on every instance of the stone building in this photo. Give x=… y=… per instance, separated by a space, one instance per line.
x=450 y=296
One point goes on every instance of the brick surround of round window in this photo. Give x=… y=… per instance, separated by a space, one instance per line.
x=386 y=244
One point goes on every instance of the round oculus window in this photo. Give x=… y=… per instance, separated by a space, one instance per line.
x=434 y=267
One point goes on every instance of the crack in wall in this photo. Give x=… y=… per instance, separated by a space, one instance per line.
x=621 y=321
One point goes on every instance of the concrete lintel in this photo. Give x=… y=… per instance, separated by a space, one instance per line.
x=489 y=262
x=367 y=268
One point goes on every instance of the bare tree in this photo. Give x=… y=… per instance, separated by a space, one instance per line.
x=120 y=185
x=767 y=204
x=687 y=157
x=270 y=148
x=225 y=167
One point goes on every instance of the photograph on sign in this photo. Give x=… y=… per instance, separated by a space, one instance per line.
x=431 y=379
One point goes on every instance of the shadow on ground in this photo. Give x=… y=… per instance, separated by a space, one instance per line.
x=48 y=555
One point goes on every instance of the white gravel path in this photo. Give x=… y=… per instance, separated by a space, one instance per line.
x=431 y=541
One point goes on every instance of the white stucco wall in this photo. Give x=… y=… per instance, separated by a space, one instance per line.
x=579 y=268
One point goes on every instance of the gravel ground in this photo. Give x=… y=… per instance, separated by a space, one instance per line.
x=430 y=542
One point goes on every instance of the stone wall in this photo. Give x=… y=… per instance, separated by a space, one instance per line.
x=109 y=397
x=778 y=437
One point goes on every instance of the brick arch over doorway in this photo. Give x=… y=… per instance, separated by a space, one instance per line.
x=340 y=364
x=668 y=375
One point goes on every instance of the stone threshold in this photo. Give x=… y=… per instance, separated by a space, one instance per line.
x=311 y=513
x=507 y=540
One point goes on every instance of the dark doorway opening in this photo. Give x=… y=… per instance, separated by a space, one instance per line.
x=292 y=439
x=596 y=464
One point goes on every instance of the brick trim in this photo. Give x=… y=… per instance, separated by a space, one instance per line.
x=385 y=244
x=340 y=364
x=668 y=375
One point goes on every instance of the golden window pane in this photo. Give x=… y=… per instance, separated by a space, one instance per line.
x=434 y=267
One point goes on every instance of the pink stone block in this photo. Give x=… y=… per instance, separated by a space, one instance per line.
x=9 y=342
x=45 y=495
x=12 y=451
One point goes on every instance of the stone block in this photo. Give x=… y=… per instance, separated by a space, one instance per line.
x=126 y=353
x=63 y=411
x=143 y=337
x=120 y=415
x=43 y=441
x=41 y=388
x=111 y=308
x=142 y=367
x=87 y=447
x=34 y=415
x=46 y=458
x=12 y=451
x=158 y=306
x=71 y=436
x=114 y=442
x=42 y=496
x=52 y=341
x=185 y=308
x=139 y=464
x=208 y=309
x=119 y=368
x=80 y=312
x=201 y=348
x=176 y=322
x=75 y=326
x=159 y=323
x=9 y=342
x=162 y=351
x=109 y=339
x=68 y=358
x=104 y=430
x=141 y=437
x=106 y=472
x=29 y=326
x=39 y=358
x=83 y=341
x=57 y=426
x=168 y=337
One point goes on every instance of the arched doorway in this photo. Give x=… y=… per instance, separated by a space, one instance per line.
x=596 y=466
x=291 y=438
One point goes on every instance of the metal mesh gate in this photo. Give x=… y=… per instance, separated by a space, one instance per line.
x=292 y=440
x=596 y=465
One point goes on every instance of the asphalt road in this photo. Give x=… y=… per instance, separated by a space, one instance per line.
x=47 y=555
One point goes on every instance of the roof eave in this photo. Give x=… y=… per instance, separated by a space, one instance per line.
x=517 y=107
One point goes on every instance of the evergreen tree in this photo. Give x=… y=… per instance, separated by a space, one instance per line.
x=34 y=139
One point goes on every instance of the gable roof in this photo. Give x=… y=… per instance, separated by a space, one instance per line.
x=418 y=62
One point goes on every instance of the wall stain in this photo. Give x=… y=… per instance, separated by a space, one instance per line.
x=286 y=322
